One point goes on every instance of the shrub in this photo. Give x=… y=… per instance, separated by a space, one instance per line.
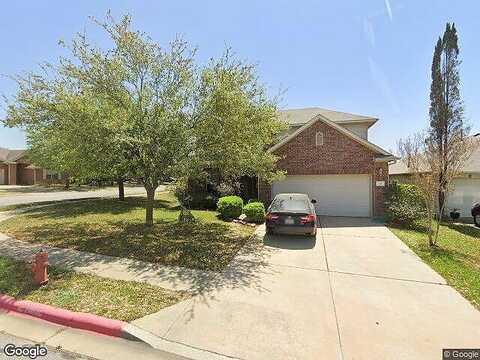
x=209 y=202
x=193 y=195
x=255 y=212
x=203 y=201
x=405 y=205
x=230 y=207
x=226 y=188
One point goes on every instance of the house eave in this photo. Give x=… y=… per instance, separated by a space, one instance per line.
x=370 y=122
x=337 y=127
x=390 y=159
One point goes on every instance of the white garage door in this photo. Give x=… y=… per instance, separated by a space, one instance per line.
x=466 y=192
x=336 y=195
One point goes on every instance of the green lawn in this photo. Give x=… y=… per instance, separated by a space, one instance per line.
x=112 y=227
x=115 y=299
x=456 y=258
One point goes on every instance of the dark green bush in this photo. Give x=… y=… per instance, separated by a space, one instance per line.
x=230 y=207
x=209 y=202
x=193 y=196
x=203 y=202
x=404 y=204
x=255 y=212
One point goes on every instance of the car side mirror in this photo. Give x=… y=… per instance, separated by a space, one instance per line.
x=313 y=201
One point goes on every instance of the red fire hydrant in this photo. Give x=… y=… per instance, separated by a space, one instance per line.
x=40 y=268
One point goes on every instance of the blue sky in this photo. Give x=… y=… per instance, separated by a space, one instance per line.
x=368 y=57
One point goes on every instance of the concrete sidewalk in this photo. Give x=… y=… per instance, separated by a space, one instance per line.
x=35 y=197
x=169 y=277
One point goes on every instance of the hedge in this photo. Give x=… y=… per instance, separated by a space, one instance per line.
x=230 y=207
x=255 y=212
x=404 y=204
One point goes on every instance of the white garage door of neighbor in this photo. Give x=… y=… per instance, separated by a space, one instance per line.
x=336 y=195
x=466 y=192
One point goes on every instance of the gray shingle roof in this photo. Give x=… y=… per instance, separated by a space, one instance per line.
x=296 y=117
x=7 y=155
x=471 y=166
x=473 y=163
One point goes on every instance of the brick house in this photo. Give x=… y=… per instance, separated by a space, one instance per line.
x=16 y=169
x=326 y=154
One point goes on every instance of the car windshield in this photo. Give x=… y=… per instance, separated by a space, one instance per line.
x=290 y=204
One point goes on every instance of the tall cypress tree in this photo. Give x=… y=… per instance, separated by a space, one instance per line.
x=446 y=106
x=436 y=96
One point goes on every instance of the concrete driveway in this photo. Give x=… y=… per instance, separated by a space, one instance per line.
x=16 y=195
x=354 y=292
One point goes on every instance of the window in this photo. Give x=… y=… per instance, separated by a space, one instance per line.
x=319 y=139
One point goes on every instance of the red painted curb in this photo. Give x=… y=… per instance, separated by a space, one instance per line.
x=72 y=319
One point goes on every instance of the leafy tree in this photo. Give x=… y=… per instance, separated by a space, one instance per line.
x=144 y=111
x=151 y=87
x=68 y=129
x=446 y=106
x=235 y=122
x=427 y=167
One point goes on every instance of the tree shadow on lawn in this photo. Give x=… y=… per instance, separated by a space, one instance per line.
x=440 y=251
x=16 y=278
x=204 y=246
x=96 y=206
x=465 y=229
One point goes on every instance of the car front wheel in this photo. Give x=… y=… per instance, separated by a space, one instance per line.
x=476 y=219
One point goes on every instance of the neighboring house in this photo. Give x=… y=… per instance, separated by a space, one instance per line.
x=16 y=169
x=466 y=188
x=326 y=154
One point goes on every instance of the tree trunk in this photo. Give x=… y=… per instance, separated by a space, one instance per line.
x=121 y=190
x=430 y=226
x=149 y=207
x=441 y=203
x=439 y=221
x=67 y=182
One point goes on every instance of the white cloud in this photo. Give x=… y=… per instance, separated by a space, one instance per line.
x=389 y=9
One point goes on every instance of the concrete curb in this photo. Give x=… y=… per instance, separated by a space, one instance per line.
x=64 y=317
x=173 y=347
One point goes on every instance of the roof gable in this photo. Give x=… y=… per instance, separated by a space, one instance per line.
x=339 y=128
